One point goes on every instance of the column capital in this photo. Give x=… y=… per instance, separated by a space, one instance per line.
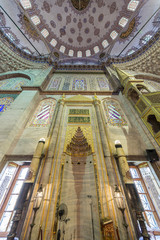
x=62 y=99
x=96 y=100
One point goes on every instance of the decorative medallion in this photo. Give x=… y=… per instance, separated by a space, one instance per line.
x=80 y=4
x=28 y=28
x=129 y=30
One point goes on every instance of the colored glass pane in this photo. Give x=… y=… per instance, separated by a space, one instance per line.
x=114 y=114
x=12 y=190
x=139 y=186
x=43 y=114
x=145 y=202
x=151 y=219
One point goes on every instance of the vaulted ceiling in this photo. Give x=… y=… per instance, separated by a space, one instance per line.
x=79 y=30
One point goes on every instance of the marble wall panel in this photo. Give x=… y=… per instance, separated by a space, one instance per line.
x=79 y=82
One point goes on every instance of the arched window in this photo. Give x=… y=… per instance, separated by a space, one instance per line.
x=11 y=182
x=114 y=114
x=132 y=5
x=148 y=191
x=43 y=113
x=146 y=38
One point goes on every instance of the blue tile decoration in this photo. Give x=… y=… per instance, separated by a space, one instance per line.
x=79 y=84
x=13 y=83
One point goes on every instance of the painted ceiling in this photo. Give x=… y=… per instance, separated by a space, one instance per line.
x=79 y=29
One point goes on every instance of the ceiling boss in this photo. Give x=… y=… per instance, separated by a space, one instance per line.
x=80 y=4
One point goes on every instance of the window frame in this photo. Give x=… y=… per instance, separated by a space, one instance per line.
x=153 y=210
x=8 y=194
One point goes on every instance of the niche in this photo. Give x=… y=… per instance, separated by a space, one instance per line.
x=152 y=120
x=133 y=95
x=142 y=88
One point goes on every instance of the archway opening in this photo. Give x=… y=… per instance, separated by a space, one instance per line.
x=133 y=95
x=154 y=123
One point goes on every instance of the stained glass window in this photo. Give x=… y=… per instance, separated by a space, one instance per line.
x=139 y=186
x=134 y=173
x=146 y=38
x=151 y=219
x=43 y=113
x=132 y=5
x=145 y=202
x=26 y=4
x=11 y=183
x=114 y=113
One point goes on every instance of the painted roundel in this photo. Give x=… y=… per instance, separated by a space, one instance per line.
x=79 y=28
x=80 y=5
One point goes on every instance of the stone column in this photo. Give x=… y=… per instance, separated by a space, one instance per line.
x=22 y=202
x=49 y=169
x=132 y=194
x=110 y=173
x=15 y=119
x=35 y=161
x=54 y=134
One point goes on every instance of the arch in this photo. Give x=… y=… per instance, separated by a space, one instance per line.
x=43 y=114
x=133 y=95
x=142 y=88
x=16 y=81
x=147 y=77
x=152 y=120
x=114 y=114
x=14 y=75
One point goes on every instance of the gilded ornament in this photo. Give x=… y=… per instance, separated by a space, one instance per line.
x=80 y=4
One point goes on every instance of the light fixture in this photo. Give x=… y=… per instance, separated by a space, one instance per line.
x=38 y=198
x=119 y=199
x=121 y=204
x=36 y=206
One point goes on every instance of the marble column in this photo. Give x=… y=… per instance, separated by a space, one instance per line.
x=116 y=218
x=49 y=169
x=25 y=193
x=35 y=161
